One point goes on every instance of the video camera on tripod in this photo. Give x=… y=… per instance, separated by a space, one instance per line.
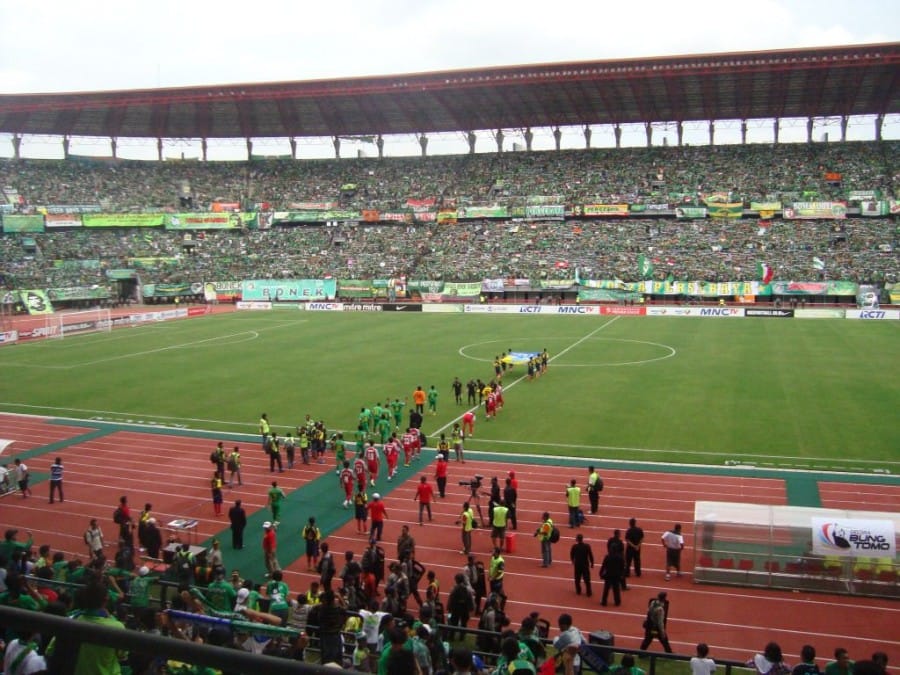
x=474 y=484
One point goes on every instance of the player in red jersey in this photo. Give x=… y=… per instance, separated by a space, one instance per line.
x=409 y=440
x=372 y=462
x=359 y=470
x=468 y=423
x=392 y=455
x=417 y=443
x=346 y=481
x=490 y=405
x=498 y=390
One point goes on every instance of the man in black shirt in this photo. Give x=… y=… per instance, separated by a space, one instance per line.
x=612 y=571
x=510 y=496
x=238 y=518
x=582 y=558
x=634 y=537
x=615 y=545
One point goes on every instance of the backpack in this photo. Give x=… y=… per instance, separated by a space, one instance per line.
x=213 y=457
x=119 y=516
x=183 y=566
x=650 y=620
x=520 y=667
x=368 y=561
x=554 y=534
x=309 y=533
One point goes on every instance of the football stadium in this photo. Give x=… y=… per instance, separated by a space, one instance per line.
x=283 y=411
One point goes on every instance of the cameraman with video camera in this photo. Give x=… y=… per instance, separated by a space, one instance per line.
x=475 y=491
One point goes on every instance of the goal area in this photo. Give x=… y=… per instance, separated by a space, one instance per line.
x=64 y=324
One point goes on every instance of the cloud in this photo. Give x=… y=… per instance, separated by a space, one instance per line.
x=93 y=44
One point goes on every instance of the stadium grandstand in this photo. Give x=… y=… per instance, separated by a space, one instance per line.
x=577 y=221
x=755 y=221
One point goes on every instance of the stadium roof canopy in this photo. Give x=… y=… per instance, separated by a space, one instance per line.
x=820 y=82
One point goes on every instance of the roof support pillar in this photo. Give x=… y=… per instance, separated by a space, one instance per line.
x=499 y=138
x=679 y=129
x=159 y=148
x=648 y=129
x=809 y=129
x=293 y=142
x=336 y=141
x=557 y=137
x=471 y=138
x=879 y=124
x=776 y=124
x=845 y=120
x=587 y=137
x=712 y=132
x=249 y=148
x=529 y=138
x=17 y=146
x=743 y=132
x=113 y=143
x=617 y=131
x=203 y=148
x=65 y=144
x=379 y=143
x=423 y=144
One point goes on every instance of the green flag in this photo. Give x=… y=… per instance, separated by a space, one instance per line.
x=645 y=267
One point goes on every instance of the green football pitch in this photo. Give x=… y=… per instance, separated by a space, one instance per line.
x=817 y=394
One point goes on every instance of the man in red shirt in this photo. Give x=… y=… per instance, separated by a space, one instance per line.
x=440 y=474
x=269 y=546
x=424 y=495
x=372 y=461
x=377 y=514
x=346 y=481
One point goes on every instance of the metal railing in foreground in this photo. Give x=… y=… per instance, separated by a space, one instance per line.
x=231 y=660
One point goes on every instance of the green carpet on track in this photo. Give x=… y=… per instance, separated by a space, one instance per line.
x=320 y=498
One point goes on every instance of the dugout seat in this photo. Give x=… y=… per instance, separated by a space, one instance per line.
x=884 y=570
x=864 y=569
x=705 y=561
x=832 y=567
x=796 y=567
x=772 y=566
x=745 y=564
x=887 y=576
x=726 y=563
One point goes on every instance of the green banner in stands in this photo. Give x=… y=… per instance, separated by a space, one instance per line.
x=17 y=223
x=122 y=219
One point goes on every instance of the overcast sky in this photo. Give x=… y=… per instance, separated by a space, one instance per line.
x=56 y=45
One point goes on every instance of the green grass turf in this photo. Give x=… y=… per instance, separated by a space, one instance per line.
x=810 y=393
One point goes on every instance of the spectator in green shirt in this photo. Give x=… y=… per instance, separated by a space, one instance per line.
x=10 y=545
x=139 y=589
x=842 y=665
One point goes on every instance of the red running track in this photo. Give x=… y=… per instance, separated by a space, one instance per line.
x=172 y=471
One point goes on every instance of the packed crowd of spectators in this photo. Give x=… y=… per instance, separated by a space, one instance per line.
x=634 y=175
x=855 y=249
